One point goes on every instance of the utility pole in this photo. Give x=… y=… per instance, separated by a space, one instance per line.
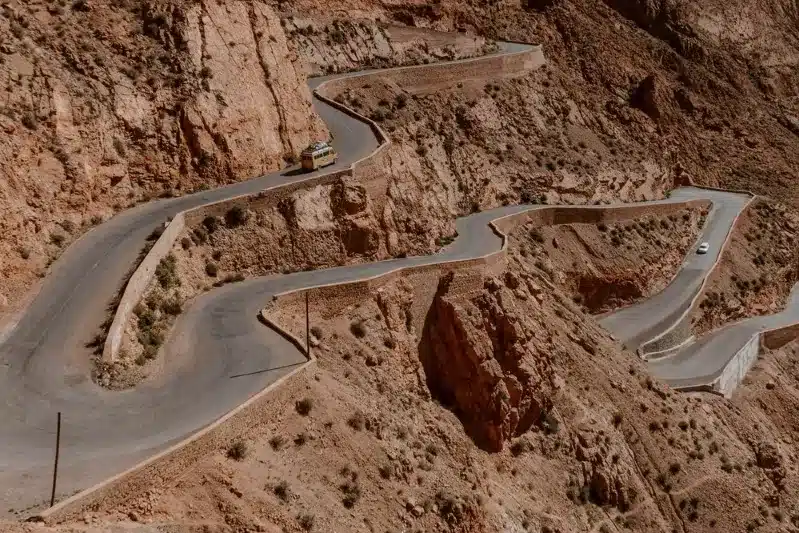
x=307 y=328
x=55 y=467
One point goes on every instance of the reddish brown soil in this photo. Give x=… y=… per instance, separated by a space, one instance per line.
x=757 y=269
x=510 y=409
x=606 y=266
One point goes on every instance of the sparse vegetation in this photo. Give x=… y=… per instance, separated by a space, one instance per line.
x=352 y=493
x=30 y=121
x=172 y=306
x=57 y=238
x=238 y=451
x=306 y=521
x=210 y=224
x=304 y=406
x=282 y=490
x=166 y=272
x=235 y=217
x=357 y=421
x=277 y=442
x=211 y=269
x=358 y=328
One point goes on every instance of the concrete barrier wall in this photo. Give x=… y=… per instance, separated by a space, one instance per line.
x=737 y=367
x=137 y=285
x=340 y=296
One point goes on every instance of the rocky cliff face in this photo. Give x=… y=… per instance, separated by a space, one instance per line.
x=478 y=360
x=108 y=104
x=340 y=45
x=255 y=112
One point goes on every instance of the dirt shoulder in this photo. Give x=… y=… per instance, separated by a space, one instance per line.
x=757 y=270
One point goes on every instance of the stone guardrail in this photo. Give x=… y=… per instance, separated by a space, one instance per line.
x=737 y=367
x=176 y=458
x=143 y=275
x=678 y=332
x=122 y=486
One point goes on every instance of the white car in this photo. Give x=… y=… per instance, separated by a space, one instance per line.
x=703 y=248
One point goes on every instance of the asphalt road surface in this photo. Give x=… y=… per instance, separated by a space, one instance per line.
x=703 y=361
x=45 y=365
x=636 y=324
x=219 y=354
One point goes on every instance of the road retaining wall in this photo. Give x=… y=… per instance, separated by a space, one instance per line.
x=138 y=283
x=554 y=215
x=779 y=337
x=737 y=367
x=739 y=364
x=328 y=301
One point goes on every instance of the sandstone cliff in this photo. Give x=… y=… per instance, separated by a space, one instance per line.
x=154 y=99
x=340 y=45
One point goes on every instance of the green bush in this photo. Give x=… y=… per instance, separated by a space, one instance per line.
x=352 y=493
x=358 y=329
x=166 y=273
x=173 y=306
x=211 y=269
x=304 y=406
x=282 y=491
x=210 y=224
x=306 y=521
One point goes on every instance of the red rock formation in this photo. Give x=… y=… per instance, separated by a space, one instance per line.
x=478 y=360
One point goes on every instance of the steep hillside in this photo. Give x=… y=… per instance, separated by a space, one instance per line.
x=503 y=408
x=108 y=104
x=757 y=270
x=606 y=266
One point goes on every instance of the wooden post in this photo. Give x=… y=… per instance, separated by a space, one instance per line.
x=307 y=328
x=57 y=449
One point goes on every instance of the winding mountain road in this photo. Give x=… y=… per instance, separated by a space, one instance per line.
x=220 y=355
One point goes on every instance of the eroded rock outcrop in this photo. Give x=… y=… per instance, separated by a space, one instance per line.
x=255 y=110
x=478 y=361
x=606 y=475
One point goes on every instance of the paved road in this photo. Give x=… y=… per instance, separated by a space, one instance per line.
x=703 y=361
x=45 y=365
x=636 y=324
x=219 y=355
